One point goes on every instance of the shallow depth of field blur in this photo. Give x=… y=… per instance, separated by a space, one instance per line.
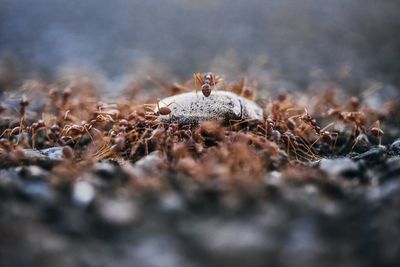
x=288 y=43
x=191 y=202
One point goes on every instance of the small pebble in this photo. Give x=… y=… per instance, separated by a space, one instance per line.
x=32 y=172
x=38 y=191
x=148 y=166
x=53 y=153
x=375 y=154
x=339 y=166
x=83 y=193
x=104 y=169
x=394 y=148
x=273 y=178
x=171 y=202
x=117 y=212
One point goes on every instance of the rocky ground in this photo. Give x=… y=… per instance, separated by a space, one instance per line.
x=166 y=205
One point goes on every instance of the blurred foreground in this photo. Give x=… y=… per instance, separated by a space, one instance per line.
x=92 y=181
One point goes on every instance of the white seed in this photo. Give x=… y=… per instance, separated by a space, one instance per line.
x=192 y=108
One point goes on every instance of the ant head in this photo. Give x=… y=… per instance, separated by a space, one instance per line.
x=208 y=76
x=248 y=92
x=24 y=101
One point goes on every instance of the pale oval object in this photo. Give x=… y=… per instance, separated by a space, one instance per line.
x=192 y=108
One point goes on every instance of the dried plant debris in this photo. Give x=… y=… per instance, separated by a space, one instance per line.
x=215 y=175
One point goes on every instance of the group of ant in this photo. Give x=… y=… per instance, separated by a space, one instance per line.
x=297 y=130
x=206 y=82
x=113 y=133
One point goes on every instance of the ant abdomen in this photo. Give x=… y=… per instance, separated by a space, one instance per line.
x=206 y=90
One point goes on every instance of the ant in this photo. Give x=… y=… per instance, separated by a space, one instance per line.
x=306 y=118
x=76 y=131
x=161 y=111
x=206 y=80
x=34 y=129
x=377 y=131
x=324 y=134
x=164 y=110
x=243 y=89
x=362 y=136
x=299 y=147
x=22 y=111
x=359 y=120
x=327 y=136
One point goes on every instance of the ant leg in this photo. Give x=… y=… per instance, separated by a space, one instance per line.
x=148 y=106
x=327 y=126
x=66 y=115
x=65 y=129
x=146 y=146
x=287 y=146
x=4 y=132
x=307 y=147
x=241 y=121
x=173 y=102
x=137 y=142
x=78 y=141
x=290 y=144
x=321 y=131
x=232 y=125
x=354 y=145
x=13 y=130
x=319 y=138
x=87 y=131
x=335 y=141
x=262 y=129
x=195 y=82
x=242 y=84
x=158 y=104
x=103 y=152
x=33 y=139
x=300 y=153
x=237 y=123
x=296 y=109
x=358 y=140
x=214 y=83
x=101 y=148
x=295 y=117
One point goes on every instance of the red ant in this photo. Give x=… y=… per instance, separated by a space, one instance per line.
x=207 y=80
x=162 y=111
x=327 y=136
x=243 y=89
x=377 y=131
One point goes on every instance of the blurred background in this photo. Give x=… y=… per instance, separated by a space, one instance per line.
x=291 y=42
